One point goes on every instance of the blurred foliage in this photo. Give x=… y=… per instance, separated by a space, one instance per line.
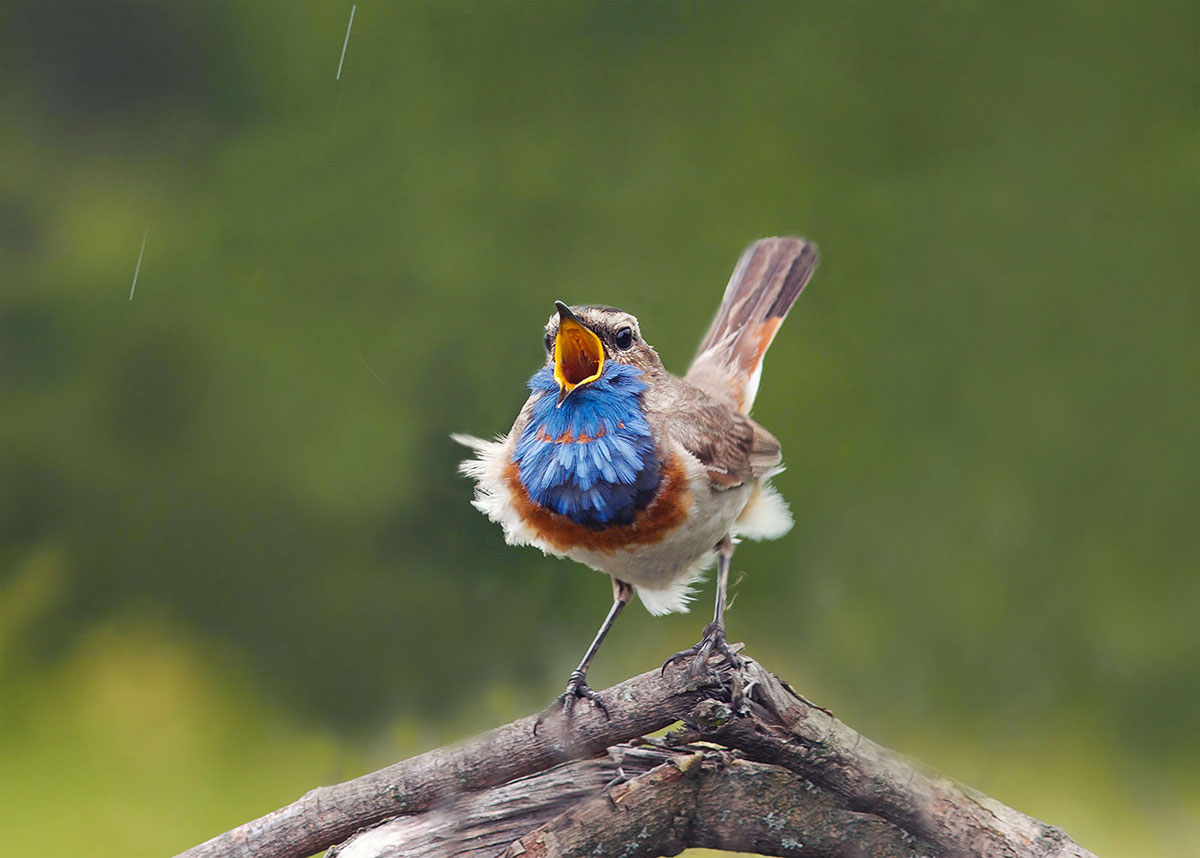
x=237 y=560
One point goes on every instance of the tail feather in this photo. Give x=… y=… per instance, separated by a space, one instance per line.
x=766 y=282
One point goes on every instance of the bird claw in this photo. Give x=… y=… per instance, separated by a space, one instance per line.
x=577 y=688
x=712 y=639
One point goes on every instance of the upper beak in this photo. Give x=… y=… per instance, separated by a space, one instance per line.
x=578 y=353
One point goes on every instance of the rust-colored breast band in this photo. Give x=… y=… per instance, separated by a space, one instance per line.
x=666 y=512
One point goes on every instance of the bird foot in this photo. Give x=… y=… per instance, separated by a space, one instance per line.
x=577 y=688
x=711 y=640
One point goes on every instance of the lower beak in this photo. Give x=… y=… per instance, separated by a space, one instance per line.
x=578 y=353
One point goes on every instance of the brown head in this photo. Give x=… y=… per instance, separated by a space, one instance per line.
x=580 y=339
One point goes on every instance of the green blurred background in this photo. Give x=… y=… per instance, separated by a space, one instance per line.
x=237 y=560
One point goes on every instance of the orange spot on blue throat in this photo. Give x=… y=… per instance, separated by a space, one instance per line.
x=592 y=459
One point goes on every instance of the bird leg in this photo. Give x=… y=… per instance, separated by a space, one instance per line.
x=577 y=682
x=713 y=636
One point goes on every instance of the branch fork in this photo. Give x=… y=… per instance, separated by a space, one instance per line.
x=770 y=773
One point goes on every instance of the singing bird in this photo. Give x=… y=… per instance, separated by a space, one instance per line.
x=618 y=464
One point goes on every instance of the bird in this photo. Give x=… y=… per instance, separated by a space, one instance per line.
x=618 y=464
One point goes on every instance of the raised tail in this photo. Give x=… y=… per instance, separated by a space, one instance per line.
x=766 y=282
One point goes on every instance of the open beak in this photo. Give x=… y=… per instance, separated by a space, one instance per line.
x=578 y=353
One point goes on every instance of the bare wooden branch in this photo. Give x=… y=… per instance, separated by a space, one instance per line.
x=667 y=800
x=483 y=824
x=955 y=819
x=785 y=772
x=328 y=815
x=715 y=800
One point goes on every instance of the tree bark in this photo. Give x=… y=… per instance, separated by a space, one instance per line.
x=666 y=799
x=754 y=768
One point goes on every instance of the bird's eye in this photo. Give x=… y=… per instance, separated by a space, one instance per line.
x=550 y=343
x=624 y=338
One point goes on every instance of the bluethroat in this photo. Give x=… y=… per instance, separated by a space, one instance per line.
x=626 y=468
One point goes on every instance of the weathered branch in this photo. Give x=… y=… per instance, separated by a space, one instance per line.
x=667 y=799
x=785 y=778
x=475 y=825
x=328 y=815
x=715 y=800
x=956 y=820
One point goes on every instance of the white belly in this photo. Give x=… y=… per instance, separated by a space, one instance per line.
x=662 y=572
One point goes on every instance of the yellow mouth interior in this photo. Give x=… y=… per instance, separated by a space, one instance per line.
x=578 y=355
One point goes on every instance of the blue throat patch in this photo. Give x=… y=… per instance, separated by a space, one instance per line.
x=593 y=459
